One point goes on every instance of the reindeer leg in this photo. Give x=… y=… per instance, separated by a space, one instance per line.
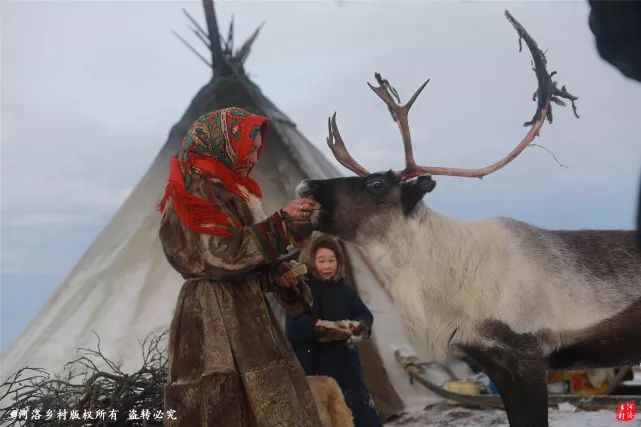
x=521 y=382
x=515 y=365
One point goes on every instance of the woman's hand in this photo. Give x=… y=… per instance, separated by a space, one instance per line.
x=283 y=280
x=301 y=209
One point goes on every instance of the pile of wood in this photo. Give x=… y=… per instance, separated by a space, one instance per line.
x=91 y=382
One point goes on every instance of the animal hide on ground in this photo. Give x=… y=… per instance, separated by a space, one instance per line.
x=330 y=402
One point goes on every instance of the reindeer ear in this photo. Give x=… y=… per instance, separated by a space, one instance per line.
x=413 y=192
x=426 y=183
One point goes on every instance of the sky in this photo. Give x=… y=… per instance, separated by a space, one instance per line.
x=90 y=90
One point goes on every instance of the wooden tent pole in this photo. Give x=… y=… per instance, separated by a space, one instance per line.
x=214 y=34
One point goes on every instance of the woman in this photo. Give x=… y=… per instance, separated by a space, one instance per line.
x=321 y=338
x=229 y=364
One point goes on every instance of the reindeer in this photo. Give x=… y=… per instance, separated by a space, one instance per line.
x=515 y=298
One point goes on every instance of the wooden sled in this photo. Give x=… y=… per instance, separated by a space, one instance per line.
x=413 y=367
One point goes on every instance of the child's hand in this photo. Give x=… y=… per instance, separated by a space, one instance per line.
x=343 y=324
x=358 y=328
x=326 y=330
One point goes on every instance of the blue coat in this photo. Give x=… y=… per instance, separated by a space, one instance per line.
x=333 y=300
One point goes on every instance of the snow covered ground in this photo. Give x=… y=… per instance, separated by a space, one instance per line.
x=637 y=377
x=443 y=415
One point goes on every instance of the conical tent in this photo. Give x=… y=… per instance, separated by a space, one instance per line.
x=124 y=289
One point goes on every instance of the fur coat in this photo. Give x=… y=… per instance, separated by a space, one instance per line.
x=229 y=363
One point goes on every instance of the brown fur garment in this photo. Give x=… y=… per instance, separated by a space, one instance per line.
x=229 y=363
x=330 y=402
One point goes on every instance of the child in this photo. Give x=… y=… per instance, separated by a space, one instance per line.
x=324 y=350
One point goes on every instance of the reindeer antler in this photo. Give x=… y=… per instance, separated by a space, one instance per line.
x=336 y=144
x=546 y=92
x=399 y=114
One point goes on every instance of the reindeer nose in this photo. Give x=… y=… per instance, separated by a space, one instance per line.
x=306 y=188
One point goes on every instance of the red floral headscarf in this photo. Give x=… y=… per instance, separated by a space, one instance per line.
x=214 y=145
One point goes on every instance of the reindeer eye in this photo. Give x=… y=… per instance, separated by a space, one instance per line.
x=376 y=185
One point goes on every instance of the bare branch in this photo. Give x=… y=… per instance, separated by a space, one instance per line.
x=85 y=386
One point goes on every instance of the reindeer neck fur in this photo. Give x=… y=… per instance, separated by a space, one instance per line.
x=449 y=277
x=427 y=238
x=442 y=272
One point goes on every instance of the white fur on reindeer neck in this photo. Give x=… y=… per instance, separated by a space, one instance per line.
x=449 y=276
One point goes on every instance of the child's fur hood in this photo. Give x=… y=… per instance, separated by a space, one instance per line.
x=308 y=254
